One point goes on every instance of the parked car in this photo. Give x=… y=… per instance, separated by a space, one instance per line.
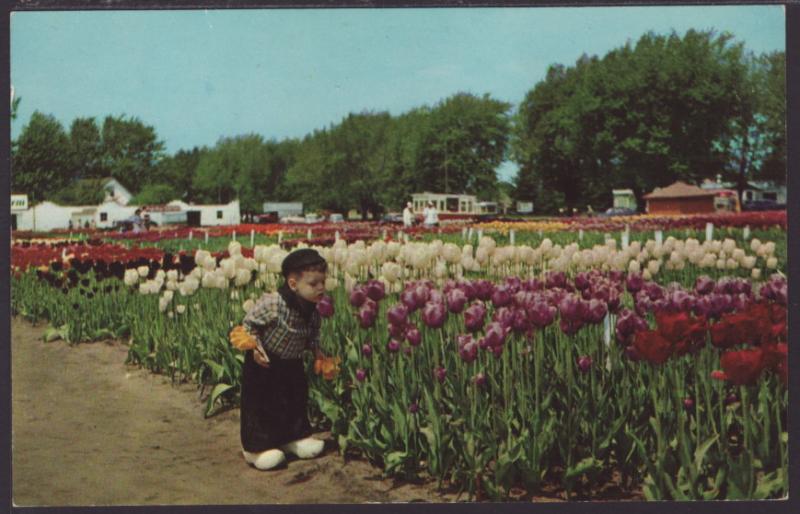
x=619 y=211
x=270 y=217
x=392 y=217
x=762 y=205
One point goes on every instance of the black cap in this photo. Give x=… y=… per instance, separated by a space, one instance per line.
x=301 y=259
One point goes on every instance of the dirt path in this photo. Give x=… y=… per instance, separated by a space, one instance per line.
x=89 y=430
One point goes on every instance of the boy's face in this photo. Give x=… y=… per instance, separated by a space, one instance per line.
x=309 y=285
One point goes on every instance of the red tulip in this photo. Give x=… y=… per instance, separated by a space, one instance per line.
x=652 y=346
x=743 y=367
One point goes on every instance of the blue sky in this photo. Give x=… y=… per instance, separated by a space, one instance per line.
x=200 y=75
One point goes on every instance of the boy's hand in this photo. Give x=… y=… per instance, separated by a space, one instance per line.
x=260 y=358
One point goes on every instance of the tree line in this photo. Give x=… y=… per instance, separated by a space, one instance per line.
x=642 y=116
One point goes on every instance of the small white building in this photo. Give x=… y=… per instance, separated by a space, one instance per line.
x=446 y=203
x=210 y=215
x=46 y=216
x=753 y=191
x=283 y=209
x=624 y=199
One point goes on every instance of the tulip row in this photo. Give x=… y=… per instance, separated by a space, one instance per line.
x=473 y=377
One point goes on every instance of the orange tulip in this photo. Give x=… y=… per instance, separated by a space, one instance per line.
x=328 y=367
x=241 y=339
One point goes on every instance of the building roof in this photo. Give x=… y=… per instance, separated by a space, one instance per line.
x=622 y=191
x=678 y=190
x=162 y=208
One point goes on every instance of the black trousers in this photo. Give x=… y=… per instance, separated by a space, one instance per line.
x=274 y=404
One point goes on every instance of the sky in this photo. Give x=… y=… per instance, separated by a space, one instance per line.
x=197 y=76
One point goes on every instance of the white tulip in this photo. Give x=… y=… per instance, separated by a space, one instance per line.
x=772 y=263
x=769 y=248
x=755 y=244
x=143 y=271
x=720 y=263
x=646 y=275
x=162 y=304
x=168 y=295
x=728 y=245
x=234 y=248
x=200 y=257
x=131 y=277
x=755 y=273
x=172 y=275
x=248 y=305
x=242 y=277
x=634 y=267
x=331 y=284
x=180 y=309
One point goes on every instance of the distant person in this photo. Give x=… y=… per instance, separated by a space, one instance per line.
x=408 y=215
x=136 y=221
x=431 y=215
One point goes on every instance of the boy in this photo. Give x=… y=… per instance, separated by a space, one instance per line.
x=274 y=400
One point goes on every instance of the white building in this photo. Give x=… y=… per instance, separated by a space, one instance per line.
x=46 y=216
x=446 y=203
x=210 y=215
x=754 y=190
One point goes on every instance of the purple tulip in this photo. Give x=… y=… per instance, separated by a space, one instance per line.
x=616 y=276
x=514 y=284
x=468 y=351
x=582 y=281
x=731 y=399
x=366 y=350
x=613 y=300
x=484 y=344
x=413 y=336
x=570 y=328
x=541 y=315
x=456 y=300
x=397 y=331
x=393 y=346
x=532 y=284
x=570 y=308
x=520 y=323
x=479 y=379
x=634 y=283
x=628 y=323
x=413 y=408
x=469 y=290
x=504 y=316
x=654 y=291
x=688 y=404
x=632 y=354
x=406 y=350
x=376 y=291
x=440 y=374
x=434 y=314
x=420 y=294
x=325 y=307
x=555 y=279
x=366 y=317
x=496 y=334
x=397 y=314
x=407 y=298
x=703 y=285
x=596 y=311
x=584 y=363
x=474 y=317
x=435 y=296
x=501 y=296
x=358 y=296
x=484 y=289
x=361 y=374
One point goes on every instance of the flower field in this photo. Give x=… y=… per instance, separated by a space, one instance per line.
x=656 y=362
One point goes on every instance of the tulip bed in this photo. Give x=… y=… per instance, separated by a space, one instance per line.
x=497 y=369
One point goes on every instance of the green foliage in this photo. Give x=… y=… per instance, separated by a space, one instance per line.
x=41 y=158
x=667 y=108
x=131 y=151
x=86 y=149
x=80 y=192
x=154 y=194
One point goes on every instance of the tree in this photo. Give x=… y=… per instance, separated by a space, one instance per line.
x=86 y=149
x=643 y=116
x=178 y=171
x=40 y=162
x=465 y=145
x=154 y=194
x=131 y=151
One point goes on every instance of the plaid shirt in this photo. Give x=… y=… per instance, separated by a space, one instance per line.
x=281 y=330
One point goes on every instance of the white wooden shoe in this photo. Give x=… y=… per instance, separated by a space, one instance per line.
x=265 y=460
x=307 y=448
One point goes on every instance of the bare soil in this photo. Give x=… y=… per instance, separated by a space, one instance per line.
x=87 y=429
